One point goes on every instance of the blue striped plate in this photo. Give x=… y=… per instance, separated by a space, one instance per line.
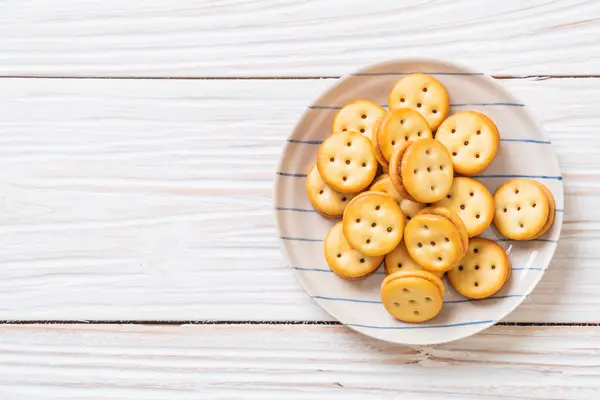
x=525 y=151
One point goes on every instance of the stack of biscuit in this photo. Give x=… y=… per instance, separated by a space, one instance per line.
x=400 y=181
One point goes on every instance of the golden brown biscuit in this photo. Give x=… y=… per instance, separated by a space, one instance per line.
x=473 y=140
x=373 y=223
x=358 y=116
x=395 y=171
x=400 y=260
x=522 y=209
x=384 y=185
x=398 y=127
x=323 y=198
x=412 y=297
x=483 y=271
x=433 y=242
x=472 y=202
x=346 y=162
x=452 y=217
x=426 y=171
x=344 y=261
x=551 y=211
x=424 y=94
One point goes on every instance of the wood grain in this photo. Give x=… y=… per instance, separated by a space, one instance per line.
x=191 y=38
x=151 y=199
x=300 y=362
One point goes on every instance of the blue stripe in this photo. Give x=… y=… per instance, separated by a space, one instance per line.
x=295 y=209
x=328 y=270
x=299 y=239
x=348 y=300
x=531 y=240
x=559 y=210
x=527 y=141
x=502 y=140
x=305 y=141
x=291 y=175
x=488 y=104
x=557 y=177
x=417 y=72
x=318 y=107
x=445 y=302
x=489 y=321
x=528 y=269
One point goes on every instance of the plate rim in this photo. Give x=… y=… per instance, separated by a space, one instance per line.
x=365 y=70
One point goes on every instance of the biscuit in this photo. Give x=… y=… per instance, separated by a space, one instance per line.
x=452 y=217
x=395 y=171
x=412 y=296
x=399 y=260
x=522 y=209
x=473 y=140
x=551 y=210
x=358 y=116
x=426 y=171
x=378 y=154
x=398 y=127
x=424 y=94
x=472 y=202
x=374 y=223
x=346 y=162
x=482 y=272
x=323 y=198
x=384 y=185
x=433 y=242
x=343 y=260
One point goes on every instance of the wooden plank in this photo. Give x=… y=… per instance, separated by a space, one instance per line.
x=301 y=362
x=151 y=199
x=293 y=37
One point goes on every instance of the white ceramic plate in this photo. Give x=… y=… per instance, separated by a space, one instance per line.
x=525 y=151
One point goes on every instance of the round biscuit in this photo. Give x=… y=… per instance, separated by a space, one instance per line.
x=400 y=261
x=374 y=223
x=472 y=202
x=423 y=274
x=346 y=162
x=424 y=94
x=358 y=116
x=395 y=171
x=472 y=139
x=384 y=185
x=398 y=127
x=456 y=221
x=482 y=272
x=323 y=198
x=426 y=170
x=521 y=209
x=412 y=299
x=433 y=242
x=551 y=210
x=343 y=260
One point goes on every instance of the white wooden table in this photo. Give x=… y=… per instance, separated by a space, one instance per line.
x=138 y=143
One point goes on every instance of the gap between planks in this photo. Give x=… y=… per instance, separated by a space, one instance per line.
x=283 y=77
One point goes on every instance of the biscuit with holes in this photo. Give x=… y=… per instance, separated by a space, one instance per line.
x=414 y=296
x=424 y=94
x=426 y=170
x=346 y=162
x=398 y=127
x=358 y=116
x=433 y=242
x=395 y=171
x=400 y=260
x=343 y=260
x=522 y=209
x=472 y=139
x=323 y=198
x=472 y=202
x=551 y=210
x=483 y=271
x=452 y=217
x=384 y=185
x=374 y=223
x=378 y=154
